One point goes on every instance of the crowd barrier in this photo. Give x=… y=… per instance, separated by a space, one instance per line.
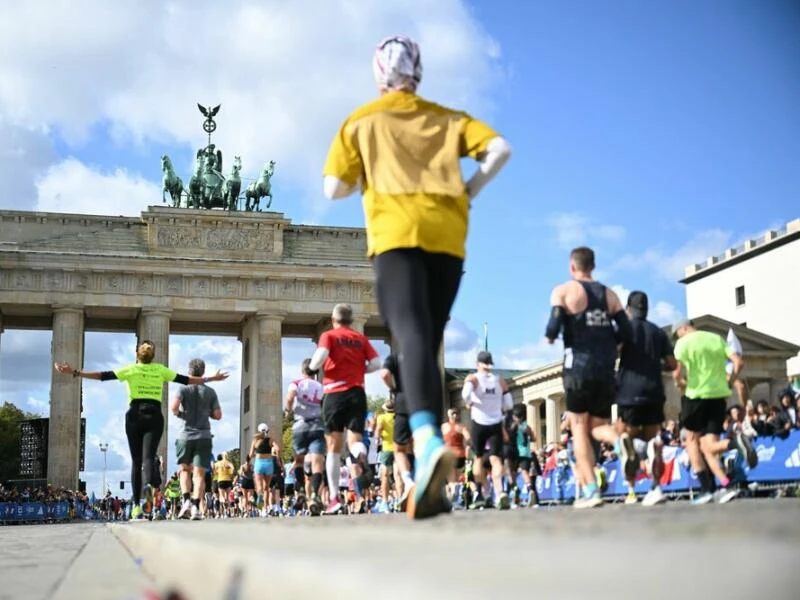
x=778 y=461
x=32 y=512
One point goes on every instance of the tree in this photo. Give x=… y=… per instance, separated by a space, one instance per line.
x=375 y=404
x=10 y=437
x=235 y=456
x=286 y=440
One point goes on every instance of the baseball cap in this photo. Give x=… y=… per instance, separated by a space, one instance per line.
x=263 y=428
x=485 y=357
x=638 y=301
x=678 y=324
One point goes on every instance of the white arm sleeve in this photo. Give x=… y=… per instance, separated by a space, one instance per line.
x=318 y=359
x=335 y=188
x=508 y=401
x=374 y=365
x=497 y=154
x=466 y=392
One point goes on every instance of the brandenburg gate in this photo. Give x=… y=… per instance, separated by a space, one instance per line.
x=254 y=275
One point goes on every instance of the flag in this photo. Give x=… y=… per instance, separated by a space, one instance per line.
x=486 y=337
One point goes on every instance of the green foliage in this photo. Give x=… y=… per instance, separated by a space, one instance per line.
x=286 y=440
x=235 y=456
x=375 y=404
x=10 y=418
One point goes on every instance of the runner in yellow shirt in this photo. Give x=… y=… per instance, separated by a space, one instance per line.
x=384 y=431
x=402 y=152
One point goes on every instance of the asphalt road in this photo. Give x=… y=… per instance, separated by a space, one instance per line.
x=745 y=548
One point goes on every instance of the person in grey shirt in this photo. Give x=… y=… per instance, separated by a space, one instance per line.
x=194 y=406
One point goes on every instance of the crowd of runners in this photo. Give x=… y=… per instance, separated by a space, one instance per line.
x=403 y=153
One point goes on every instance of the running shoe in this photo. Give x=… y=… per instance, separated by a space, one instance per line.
x=654 y=496
x=334 y=507
x=702 y=498
x=315 y=506
x=593 y=501
x=478 y=503
x=195 y=513
x=628 y=456
x=432 y=469
x=725 y=495
x=136 y=513
x=601 y=478
x=631 y=497
x=745 y=448
x=186 y=509
x=504 y=502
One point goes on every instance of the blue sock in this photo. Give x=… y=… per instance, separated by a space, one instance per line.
x=422 y=418
x=424 y=428
x=590 y=489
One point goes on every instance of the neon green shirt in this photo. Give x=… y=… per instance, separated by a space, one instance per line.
x=145 y=382
x=704 y=355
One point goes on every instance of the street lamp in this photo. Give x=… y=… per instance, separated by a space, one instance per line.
x=104 y=450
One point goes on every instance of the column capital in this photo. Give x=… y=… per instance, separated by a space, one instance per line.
x=155 y=311
x=270 y=316
x=65 y=308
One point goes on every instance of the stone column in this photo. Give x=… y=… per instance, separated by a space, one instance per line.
x=64 y=437
x=535 y=422
x=358 y=324
x=267 y=401
x=552 y=420
x=153 y=325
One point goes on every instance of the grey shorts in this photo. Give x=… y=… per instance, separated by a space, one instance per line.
x=310 y=441
x=192 y=452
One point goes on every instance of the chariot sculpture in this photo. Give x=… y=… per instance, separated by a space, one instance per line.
x=208 y=188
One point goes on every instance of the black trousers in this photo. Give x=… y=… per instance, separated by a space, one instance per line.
x=144 y=426
x=416 y=291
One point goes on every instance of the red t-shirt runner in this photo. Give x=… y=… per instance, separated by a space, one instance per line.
x=348 y=354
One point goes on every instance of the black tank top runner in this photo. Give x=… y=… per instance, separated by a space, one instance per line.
x=264 y=446
x=590 y=349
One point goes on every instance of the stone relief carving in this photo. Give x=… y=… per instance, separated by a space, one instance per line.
x=229 y=287
x=314 y=289
x=113 y=282
x=174 y=284
x=368 y=291
x=82 y=282
x=144 y=285
x=178 y=237
x=201 y=287
x=287 y=289
x=342 y=291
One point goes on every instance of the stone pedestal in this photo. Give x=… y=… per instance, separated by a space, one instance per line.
x=64 y=438
x=262 y=381
x=153 y=325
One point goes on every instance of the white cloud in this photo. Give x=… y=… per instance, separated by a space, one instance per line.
x=532 y=355
x=671 y=265
x=71 y=186
x=286 y=74
x=573 y=229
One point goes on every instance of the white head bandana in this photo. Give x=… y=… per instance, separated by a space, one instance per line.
x=397 y=64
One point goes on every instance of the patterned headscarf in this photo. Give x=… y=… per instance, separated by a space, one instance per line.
x=397 y=64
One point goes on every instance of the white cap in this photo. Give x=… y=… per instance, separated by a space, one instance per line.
x=263 y=428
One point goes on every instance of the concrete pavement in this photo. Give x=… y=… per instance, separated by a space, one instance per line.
x=744 y=548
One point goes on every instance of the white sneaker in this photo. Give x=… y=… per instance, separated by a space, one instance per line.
x=654 y=496
x=725 y=495
x=196 y=516
x=186 y=507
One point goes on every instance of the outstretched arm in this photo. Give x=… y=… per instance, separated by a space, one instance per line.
x=96 y=375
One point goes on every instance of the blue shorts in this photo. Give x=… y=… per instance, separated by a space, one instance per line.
x=308 y=442
x=264 y=466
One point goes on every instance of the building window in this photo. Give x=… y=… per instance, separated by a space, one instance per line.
x=246 y=400
x=740 y=296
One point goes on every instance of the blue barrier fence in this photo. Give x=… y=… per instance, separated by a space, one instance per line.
x=778 y=460
x=32 y=512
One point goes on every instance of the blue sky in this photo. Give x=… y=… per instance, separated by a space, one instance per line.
x=657 y=133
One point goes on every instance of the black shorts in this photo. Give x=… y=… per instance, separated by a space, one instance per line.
x=641 y=415
x=402 y=427
x=289 y=489
x=224 y=485
x=703 y=416
x=481 y=434
x=248 y=484
x=590 y=396
x=345 y=410
x=524 y=463
x=276 y=483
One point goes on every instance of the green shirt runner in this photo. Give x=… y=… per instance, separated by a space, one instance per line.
x=704 y=355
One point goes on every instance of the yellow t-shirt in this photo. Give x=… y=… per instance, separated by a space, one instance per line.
x=223 y=471
x=145 y=382
x=386 y=423
x=406 y=151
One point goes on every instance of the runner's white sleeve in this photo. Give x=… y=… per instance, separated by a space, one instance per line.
x=508 y=401
x=374 y=365
x=498 y=151
x=318 y=358
x=334 y=188
x=467 y=390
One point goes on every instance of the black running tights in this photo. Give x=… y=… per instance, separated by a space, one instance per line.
x=416 y=291
x=144 y=426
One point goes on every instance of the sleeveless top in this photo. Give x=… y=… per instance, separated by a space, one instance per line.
x=490 y=394
x=454 y=440
x=307 y=404
x=523 y=440
x=264 y=446
x=590 y=349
